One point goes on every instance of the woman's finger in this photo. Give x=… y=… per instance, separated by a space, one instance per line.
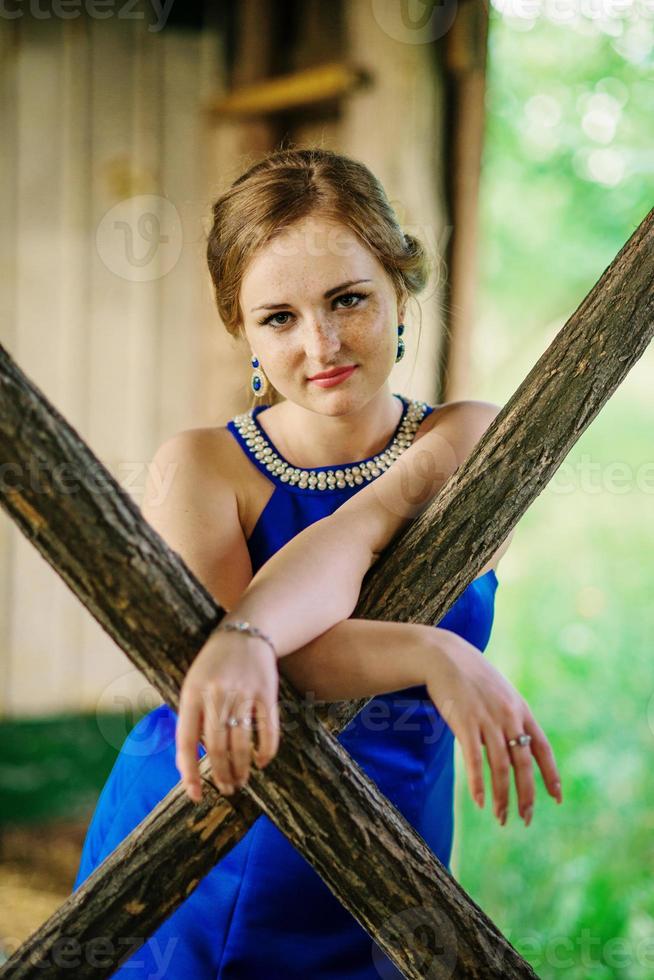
x=470 y=742
x=240 y=742
x=217 y=709
x=189 y=728
x=542 y=752
x=500 y=767
x=523 y=770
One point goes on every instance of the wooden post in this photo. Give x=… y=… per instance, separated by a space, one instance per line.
x=465 y=66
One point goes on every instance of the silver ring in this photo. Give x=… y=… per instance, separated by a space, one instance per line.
x=233 y=722
x=521 y=739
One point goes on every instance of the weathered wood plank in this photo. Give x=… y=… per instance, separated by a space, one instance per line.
x=42 y=640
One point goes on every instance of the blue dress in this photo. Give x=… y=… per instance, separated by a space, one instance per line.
x=263 y=913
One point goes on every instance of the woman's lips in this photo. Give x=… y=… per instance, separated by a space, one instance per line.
x=335 y=379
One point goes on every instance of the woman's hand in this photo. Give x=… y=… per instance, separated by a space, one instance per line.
x=481 y=706
x=233 y=676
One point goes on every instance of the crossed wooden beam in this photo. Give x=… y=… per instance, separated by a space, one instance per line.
x=146 y=598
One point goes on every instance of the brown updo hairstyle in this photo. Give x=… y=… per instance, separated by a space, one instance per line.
x=289 y=185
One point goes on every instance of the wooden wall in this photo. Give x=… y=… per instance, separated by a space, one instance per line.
x=104 y=301
x=98 y=114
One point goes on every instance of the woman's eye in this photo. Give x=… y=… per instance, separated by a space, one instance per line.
x=357 y=296
x=270 y=320
x=273 y=316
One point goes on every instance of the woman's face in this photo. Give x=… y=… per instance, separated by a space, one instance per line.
x=335 y=308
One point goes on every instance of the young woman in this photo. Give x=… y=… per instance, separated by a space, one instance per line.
x=280 y=514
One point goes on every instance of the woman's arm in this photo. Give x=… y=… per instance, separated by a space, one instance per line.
x=364 y=658
x=361 y=658
x=313 y=582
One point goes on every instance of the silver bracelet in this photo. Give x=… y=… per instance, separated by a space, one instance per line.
x=242 y=627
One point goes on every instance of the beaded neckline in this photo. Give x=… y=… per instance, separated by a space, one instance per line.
x=326 y=478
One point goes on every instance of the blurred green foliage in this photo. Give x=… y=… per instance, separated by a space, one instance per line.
x=567 y=176
x=54 y=768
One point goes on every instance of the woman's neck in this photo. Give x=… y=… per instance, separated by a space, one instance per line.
x=308 y=439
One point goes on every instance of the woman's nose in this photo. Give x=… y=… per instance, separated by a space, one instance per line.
x=321 y=341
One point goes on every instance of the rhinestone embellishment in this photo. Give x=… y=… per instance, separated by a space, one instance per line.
x=329 y=479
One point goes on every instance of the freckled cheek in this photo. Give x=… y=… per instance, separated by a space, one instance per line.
x=368 y=336
x=285 y=361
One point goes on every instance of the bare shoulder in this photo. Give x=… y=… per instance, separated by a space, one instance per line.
x=476 y=417
x=462 y=423
x=467 y=412
x=192 y=498
x=448 y=436
x=208 y=450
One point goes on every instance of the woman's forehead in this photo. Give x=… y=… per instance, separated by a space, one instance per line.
x=311 y=264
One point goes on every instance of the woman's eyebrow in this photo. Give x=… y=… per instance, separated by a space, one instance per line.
x=330 y=292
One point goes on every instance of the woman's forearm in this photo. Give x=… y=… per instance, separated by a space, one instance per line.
x=361 y=658
x=308 y=586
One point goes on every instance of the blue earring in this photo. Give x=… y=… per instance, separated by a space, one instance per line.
x=258 y=381
x=400 y=343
